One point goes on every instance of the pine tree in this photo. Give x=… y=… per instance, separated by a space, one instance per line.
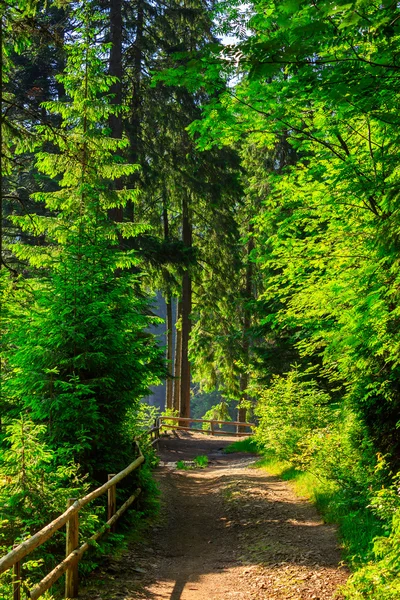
x=82 y=357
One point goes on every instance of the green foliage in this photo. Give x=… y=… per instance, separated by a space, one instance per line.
x=379 y=579
x=315 y=85
x=33 y=491
x=202 y=402
x=146 y=416
x=330 y=456
x=169 y=412
x=182 y=465
x=201 y=461
x=292 y=410
x=218 y=412
x=32 y=488
x=80 y=358
x=248 y=444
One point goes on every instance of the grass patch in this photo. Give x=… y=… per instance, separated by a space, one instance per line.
x=247 y=444
x=182 y=465
x=201 y=461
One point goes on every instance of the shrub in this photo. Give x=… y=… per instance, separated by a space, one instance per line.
x=379 y=579
x=34 y=489
x=292 y=410
x=218 y=412
x=201 y=461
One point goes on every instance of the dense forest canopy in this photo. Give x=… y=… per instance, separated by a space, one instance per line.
x=239 y=160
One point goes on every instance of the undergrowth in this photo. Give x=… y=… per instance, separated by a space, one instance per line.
x=34 y=489
x=327 y=456
x=248 y=444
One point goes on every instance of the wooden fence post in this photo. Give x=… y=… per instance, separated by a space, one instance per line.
x=17 y=579
x=212 y=427
x=111 y=501
x=71 y=575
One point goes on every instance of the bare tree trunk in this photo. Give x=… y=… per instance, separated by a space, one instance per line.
x=178 y=361
x=115 y=69
x=169 y=382
x=135 y=123
x=244 y=378
x=241 y=413
x=169 y=324
x=186 y=310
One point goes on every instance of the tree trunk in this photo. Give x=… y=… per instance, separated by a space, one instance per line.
x=169 y=324
x=135 y=122
x=241 y=413
x=186 y=310
x=169 y=383
x=62 y=16
x=178 y=361
x=244 y=378
x=115 y=69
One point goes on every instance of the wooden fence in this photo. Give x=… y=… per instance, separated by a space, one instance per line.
x=165 y=423
x=74 y=552
x=70 y=517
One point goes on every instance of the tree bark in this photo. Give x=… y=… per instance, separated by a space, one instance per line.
x=244 y=378
x=135 y=122
x=178 y=361
x=241 y=413
x=186 y=310
x=169 y=324
x=115 y=69
x=169 y=383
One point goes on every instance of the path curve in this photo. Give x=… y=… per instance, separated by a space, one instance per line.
x=225 y=532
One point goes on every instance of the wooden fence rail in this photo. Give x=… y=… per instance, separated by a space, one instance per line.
x=164 y=422
x=74 y=553
x=69 y=565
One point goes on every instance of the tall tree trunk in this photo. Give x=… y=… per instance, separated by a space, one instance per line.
x=178 y=360
x=169 y=383
x=244 y=378
x=115 y=69
x=186 y=310
x=169 y=324
x=62 y=16
x=241 y=413
x=135 y=122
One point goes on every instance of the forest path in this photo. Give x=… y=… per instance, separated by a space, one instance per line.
x=225 y=532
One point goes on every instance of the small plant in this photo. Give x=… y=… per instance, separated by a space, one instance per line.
x=167 y=424
x=182 y=465
x=248 y=444
x=201 y=461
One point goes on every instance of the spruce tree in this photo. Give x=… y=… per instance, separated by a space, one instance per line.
x=81 y=357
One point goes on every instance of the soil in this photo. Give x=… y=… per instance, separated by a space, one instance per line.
x=228 y=531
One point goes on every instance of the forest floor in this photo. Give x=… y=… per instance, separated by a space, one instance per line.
x=228 y=531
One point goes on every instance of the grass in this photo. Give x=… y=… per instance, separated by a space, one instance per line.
x=247 y=444
x=182 y=465
x=201 y=461
x=357 y=526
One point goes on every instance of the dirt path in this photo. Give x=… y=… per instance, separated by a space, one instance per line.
x=225 y=532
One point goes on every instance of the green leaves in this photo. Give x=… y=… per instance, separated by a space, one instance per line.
x=80 y=358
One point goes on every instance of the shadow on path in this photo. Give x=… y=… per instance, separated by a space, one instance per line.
x=227 y=532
